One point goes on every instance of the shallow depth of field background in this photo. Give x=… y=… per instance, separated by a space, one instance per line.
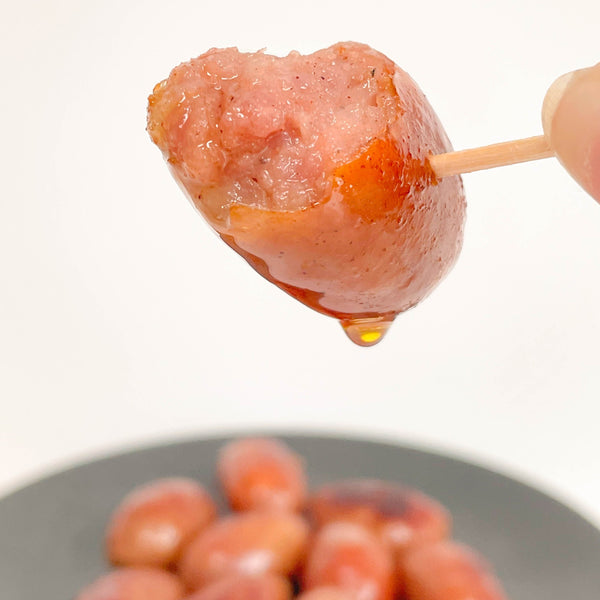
x=125 y=321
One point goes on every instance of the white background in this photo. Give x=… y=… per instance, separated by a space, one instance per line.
x=124 y=320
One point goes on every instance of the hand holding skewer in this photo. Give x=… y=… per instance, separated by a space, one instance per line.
x=571 y=122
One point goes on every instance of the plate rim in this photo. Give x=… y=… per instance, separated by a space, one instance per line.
x=301 y=434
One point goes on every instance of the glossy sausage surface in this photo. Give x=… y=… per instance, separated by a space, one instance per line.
x=350 y=557
x=250 y=543
x=245 y=587
x=262 y=473
x=402 y=516
x=449 y=571
x=134 y=584
x=154 y=522
x=328 y=593
x=314 y=169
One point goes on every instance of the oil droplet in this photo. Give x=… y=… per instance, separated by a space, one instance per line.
x=366 y=332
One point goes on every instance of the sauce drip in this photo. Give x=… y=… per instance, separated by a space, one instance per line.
x=366 y=332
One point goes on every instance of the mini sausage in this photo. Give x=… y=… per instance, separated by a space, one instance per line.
x=134 y=584
x=154 y=522
x=401 y=515
x=262 y=474
x=246 y=587
x=350 y=557
x=314 y=169
x=252 y=543
x=449 y=571
x=328 y=593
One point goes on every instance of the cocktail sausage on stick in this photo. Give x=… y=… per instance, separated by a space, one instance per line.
x=314 y=169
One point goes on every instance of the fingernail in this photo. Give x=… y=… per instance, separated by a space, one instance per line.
x=552 y=99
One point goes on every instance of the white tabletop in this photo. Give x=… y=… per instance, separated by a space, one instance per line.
x=124 y=321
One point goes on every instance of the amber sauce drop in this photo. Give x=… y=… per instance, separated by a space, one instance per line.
x=366 y=332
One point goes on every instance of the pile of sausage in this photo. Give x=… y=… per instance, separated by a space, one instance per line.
x=349 y=540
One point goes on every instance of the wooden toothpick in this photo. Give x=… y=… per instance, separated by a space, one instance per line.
x=488 y=157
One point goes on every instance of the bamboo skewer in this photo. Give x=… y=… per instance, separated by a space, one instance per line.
x=488 y=157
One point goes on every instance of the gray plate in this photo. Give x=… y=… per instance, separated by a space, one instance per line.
x=51 y=531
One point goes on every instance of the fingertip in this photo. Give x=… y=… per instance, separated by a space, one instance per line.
x=571 y=121
x=551 y=101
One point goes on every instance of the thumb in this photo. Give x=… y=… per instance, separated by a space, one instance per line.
x=571 y=120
